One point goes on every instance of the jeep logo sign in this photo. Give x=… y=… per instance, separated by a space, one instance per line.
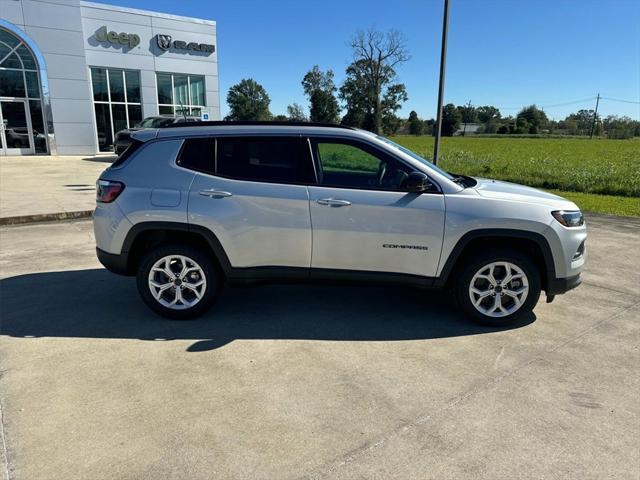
x=164 y=43
x=129 y=39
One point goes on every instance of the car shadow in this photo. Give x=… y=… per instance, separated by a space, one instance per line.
x=104 y=158
x=95 y=303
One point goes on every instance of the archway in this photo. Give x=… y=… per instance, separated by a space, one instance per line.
x=23 y=103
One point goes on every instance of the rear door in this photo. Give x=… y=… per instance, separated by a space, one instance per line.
x=362 y=216
x=254 y=198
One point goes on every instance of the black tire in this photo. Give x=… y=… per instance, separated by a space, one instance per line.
x=475 y=263
x=208 y=268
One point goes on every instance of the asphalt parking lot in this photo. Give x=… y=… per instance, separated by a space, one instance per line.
x=285 y=382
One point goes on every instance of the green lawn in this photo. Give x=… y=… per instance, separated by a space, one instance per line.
x=599 y=175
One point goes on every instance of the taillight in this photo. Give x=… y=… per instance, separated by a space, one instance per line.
x=107 y=191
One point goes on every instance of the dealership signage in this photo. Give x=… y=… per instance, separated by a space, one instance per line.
x=165 y=42
x=129 y=39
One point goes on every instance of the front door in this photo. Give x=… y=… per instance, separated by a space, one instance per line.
x=363 y=220
x=16 y=136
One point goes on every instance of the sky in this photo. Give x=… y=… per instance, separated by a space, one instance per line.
x=558 y=54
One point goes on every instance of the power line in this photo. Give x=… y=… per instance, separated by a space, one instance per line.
x=551 y=105
x=620 y=100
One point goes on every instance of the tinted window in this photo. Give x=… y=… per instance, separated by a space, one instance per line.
x=99 y=81
x=197 y=154
x=165 y=91
x=345 y=164
x=116 y=85
x=276 y=159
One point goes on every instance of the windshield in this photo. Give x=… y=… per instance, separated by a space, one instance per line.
x=414 y=155
x=155 y=122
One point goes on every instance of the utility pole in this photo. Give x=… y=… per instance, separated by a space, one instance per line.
x=595 y=115
x=464 y=129
x=443 y=61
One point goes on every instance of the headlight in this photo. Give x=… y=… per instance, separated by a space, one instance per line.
x=569 y=218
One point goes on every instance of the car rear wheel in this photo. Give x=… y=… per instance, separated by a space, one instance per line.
x=497 y=288
x=178 y=281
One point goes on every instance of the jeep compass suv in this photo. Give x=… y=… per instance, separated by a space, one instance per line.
x=187 y=209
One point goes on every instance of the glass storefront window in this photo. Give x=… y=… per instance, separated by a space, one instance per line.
x=165 y=89
x=37 y=125
x=11 y=83
x=197 y=90
x=116 y=85
x=119 y=115
x=19 y=80
x=181 y=88
x=135 y=114
x=180 y=94
x=103 y=125
x=99 y=83
x=33 y=89
x=133 y=86
x=27 y=59
x=117 y=102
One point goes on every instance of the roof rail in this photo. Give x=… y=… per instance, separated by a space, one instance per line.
x=223 y=123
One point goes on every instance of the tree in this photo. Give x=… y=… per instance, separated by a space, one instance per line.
x=320 y=89
x=530 y=120
x=580 y=123
x=280 y=118
x=450 y=119
x=620 y=127
x=487 y=113
x=295 y=112
x=416 y=126
x=370 y=77
x=468 y=113
x=248 y=100
x=489 y=116
x=391 y=124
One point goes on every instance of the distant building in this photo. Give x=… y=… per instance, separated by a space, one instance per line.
x=467 y=129
x=73 y=73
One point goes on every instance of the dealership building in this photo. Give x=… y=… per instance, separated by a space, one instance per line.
x=73 y=73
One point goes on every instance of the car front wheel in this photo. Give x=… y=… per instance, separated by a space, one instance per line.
x=178 y=281
x=498 y=288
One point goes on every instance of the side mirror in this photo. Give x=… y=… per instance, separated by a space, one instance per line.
x=418 y=182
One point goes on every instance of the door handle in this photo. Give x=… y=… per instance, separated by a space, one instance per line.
x=334 y=202
x=213 y=193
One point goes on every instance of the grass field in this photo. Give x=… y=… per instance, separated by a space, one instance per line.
x=599 y=175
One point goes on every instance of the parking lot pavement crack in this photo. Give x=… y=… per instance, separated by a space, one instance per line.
x=369 y=447
x=605 y=287
x=3 y=440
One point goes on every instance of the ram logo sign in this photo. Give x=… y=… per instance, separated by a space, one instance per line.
x=165 y=43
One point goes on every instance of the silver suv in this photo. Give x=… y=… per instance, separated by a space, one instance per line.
x=189 y=209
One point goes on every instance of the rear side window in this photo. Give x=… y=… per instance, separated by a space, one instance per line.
x=198 y=154
x=265 y=159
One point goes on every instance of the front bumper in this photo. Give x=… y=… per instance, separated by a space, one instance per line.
x=558 y=286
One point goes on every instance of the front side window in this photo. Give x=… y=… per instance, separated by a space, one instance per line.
x=351 y=165
x=265 y=159
x=116 y=102
x=180 y=94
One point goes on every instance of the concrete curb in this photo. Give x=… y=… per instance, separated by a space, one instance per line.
x=44 y=217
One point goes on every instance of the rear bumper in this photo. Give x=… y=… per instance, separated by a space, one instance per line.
x=116 y=263
x=558 y=286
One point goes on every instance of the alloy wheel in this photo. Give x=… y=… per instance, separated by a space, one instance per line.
x=498 y=289
x=177 y=282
